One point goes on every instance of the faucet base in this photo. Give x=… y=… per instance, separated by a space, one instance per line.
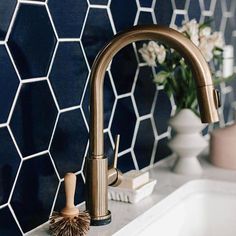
x=104 y=220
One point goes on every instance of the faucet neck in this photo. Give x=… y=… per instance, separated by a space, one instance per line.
x=174 y=39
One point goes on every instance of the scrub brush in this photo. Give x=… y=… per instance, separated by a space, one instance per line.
x=69 y=222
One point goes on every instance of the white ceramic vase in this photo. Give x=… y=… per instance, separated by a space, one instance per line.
x=188 y=143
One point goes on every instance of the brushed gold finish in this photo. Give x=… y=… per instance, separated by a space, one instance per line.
x=97 y=177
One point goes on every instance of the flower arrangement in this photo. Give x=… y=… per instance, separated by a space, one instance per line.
x=171 y=70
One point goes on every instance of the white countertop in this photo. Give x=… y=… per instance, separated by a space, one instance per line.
x=167 y=182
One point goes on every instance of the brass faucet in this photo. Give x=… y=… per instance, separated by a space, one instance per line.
x=98 y=176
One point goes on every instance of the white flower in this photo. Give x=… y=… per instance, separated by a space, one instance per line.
x=153 y=52
x=206 y=47
x=205 y=32
x=217 y=39
x=160 y=51
x=147 y=55
x=161 y=56
x=191 y=28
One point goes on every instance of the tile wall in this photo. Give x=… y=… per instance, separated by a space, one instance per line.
x=47 y=48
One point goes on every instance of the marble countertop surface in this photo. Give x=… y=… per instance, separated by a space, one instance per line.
x=167 y=182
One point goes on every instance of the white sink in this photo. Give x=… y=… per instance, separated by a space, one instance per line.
x=198 y=208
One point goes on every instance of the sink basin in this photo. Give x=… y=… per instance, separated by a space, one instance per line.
x=198 y=208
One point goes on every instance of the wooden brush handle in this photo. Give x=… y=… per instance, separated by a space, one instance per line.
x=70 y=184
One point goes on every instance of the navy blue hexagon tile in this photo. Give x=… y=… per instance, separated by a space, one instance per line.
x=79 y=194
x=8 y=226
x=125 y=163
x=162 y=150
x=68 y=80
x=194 y=10
x=218 y=14
x=207 y=4
x=99 y=2
x=9 y=164
x=86 y=102
x=143 y=149
x=8 y=84
x=109 y=100
x=163 y=11
x=145 y=18
x=123 y=69
x=229 y=29
x=162 y=112
x=68 y=17
x=97 y=32
x=69 y=142
x=108 y=149
x=33 y=118
x=32 y=41
x=179 y=19
x=34 y=192
x=123 y=123
x=145 y=3
x=7 y=8
x=144 y=91
x=180 y=4
x=126 y=9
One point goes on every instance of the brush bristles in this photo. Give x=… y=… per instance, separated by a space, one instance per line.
x=69 y=226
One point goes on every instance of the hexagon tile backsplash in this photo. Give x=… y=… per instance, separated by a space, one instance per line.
x=47 y=48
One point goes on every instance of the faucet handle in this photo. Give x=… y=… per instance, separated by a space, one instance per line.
x=114 y=175
x=117 y=143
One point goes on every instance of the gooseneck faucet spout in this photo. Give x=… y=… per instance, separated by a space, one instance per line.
x=97 y=175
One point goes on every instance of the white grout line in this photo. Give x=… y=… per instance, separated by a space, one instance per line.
x=134 y=159
x=3 y=205
x=14 y=141
x=84 y=179
x=53 y=95
x=136 y=17
x=85 y=121
x=154 y=150
x=111 y=139
x=12 y=21
x=70 y=108
x=122 y=153
x=2 y=125
x=54 y=166
x=135 y=80
x=32 y=2
x=145 y=117
x=15 y=218
x=31 y=80
x=84 y=23
x=115 y=102
x=52 y=22
x=146 y=9
x=36 y=155
x=53 y=131
x=111 y=22
x=62 y=40
x=13 y=62
x=98 y=6
x=52 y=59
x=15 y=180
x=86 y=153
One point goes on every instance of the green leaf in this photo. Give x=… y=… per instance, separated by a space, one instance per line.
x=161 y=77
